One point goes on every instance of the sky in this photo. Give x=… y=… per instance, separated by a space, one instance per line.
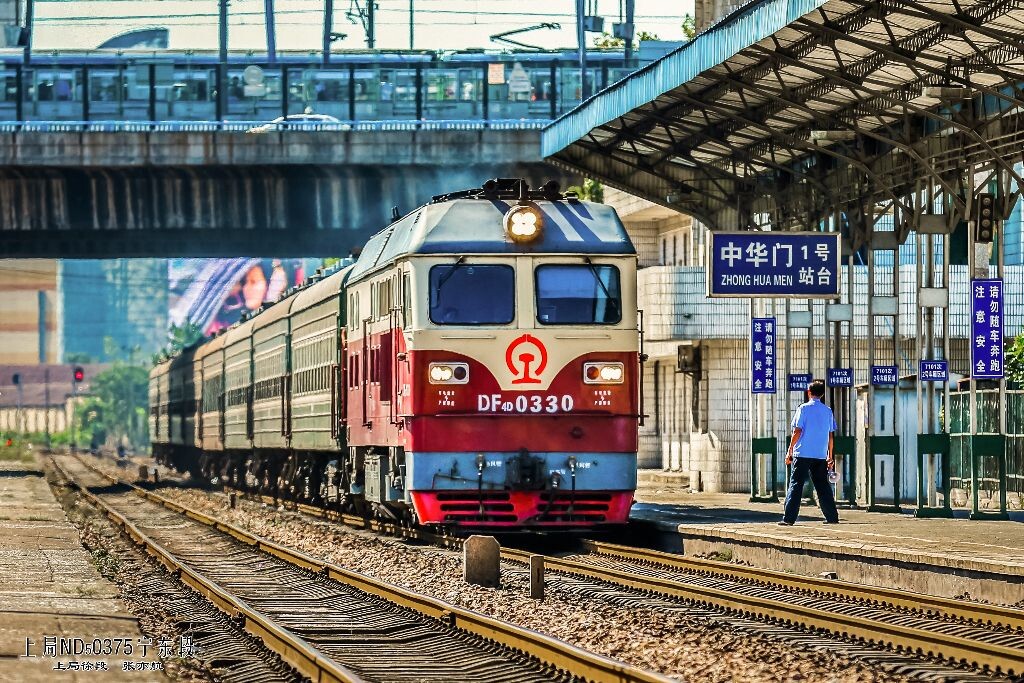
x=439 y=24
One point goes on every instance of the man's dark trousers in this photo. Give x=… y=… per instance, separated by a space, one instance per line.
x=818 y=470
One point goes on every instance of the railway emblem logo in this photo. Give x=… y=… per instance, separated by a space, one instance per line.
x=532 y=358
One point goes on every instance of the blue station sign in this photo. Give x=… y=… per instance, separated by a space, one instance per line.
x=762 y=355
x=934 y=371
x=885 y=375
x=799 y=382
x=987 y=328
x=774 y=264
x=840 y=377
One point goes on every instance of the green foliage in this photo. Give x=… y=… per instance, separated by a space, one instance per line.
x=591 y=190
x=78 y=358
x=689 y=26
x=608 y=41
x=116 y=407
x=1014 y=360
x=179 y=338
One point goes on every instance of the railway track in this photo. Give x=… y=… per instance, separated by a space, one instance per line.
x=987 y=638
x=328 y=623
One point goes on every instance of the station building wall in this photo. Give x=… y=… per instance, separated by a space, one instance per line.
x=703 y=428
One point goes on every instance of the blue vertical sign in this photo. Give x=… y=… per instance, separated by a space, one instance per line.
x=773 y=264
x=987 y=328
x=762 y=355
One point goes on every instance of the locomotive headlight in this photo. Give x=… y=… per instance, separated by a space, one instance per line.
x=523 y=223
x=603 y=373
x=448 y=373
x=440 y=373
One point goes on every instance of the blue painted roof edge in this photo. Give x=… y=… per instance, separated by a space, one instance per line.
x=709 y=49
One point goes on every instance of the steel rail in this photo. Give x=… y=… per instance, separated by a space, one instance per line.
x=904 y=638
x=550 y=651
x=983 y=614
x=949 y=608
x=290 y=647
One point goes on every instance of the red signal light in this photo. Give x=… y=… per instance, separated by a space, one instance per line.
x=79 y=374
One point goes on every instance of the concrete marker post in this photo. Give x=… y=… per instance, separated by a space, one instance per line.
x=143 y=473
x=481 y=561
x=537 y=577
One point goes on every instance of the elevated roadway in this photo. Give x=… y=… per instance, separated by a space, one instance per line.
x=204 y=190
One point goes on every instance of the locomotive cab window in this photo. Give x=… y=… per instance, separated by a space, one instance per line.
x=472 y=294
x=578 y=294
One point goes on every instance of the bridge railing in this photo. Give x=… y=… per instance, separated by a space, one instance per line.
x=115 y=89
x=261 y=127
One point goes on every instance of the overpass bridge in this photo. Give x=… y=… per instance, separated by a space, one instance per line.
x=155 y=154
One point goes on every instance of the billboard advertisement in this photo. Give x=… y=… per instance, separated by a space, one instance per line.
x=213 y=293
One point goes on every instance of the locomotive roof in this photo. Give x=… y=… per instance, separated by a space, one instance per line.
x=476 y=226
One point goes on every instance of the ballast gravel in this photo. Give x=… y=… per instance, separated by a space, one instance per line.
x=686 y=647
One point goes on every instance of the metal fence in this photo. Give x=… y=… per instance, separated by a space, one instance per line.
x=262 y=126
x=176 y=87
x=987 y=414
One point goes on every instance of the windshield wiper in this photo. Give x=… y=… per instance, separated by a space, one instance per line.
x=447 y=276
x=597 y=276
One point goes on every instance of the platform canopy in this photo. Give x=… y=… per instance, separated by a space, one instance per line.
x=789 y=113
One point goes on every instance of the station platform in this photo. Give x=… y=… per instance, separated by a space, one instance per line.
x=979 y=559
x=49 y=587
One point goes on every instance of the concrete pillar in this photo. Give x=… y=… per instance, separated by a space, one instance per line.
x=481 y=561
x=537 y=577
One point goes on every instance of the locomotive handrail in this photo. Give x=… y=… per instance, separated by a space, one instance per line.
x=333 y=388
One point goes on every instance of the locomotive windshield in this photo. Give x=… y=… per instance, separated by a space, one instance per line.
x=465 y=294
x=578 y=295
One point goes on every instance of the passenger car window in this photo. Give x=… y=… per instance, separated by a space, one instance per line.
x=470 y=294
x=578 y=295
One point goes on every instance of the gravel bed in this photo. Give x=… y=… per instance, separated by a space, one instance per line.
x=689 y=647
x=166 y=608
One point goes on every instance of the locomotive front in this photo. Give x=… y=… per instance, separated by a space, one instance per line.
x=522 y=363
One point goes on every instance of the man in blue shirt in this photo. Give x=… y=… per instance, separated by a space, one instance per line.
x=810 y=453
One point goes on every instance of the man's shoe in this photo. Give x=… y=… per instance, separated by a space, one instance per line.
x=830 y=522
x=785 y=523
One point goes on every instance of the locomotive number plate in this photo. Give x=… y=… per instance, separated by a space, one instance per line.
x=499 y=403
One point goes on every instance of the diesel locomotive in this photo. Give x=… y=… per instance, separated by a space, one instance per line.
x=477 y=366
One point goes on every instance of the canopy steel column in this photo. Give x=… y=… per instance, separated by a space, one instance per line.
x=840 y=398
x=984 y=443
x=763 y=449
x=884 y=306
x=933 y=442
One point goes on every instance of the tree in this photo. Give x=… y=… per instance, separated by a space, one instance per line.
x=180 y=337
x=689 y=26
x=608 y=41
x=591 y=190
x=1014 y=360
x=117 y=405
